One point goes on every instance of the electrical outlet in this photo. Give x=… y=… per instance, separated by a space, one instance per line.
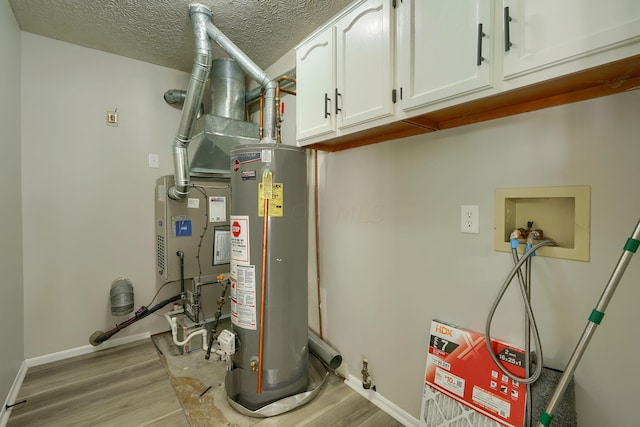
x=469 y=219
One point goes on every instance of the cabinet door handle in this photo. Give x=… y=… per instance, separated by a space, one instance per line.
x=507 y=35
x=479 y=57
x=326 y=105
x=336 y=98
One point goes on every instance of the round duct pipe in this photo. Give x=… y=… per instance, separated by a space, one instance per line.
x=327 y=354
x=121 y=297
x=227 y=89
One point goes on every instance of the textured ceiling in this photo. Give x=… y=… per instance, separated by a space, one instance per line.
x=159 y=31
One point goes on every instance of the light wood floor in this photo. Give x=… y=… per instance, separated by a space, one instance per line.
x=129 y=386
x=122 y=386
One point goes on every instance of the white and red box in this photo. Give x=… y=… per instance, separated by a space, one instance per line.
x=462 y=381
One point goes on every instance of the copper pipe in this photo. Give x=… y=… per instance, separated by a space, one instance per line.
x=278 y=118
x=263 y=285
x=287 y=78
x=261 y=126
x=317 y=215
x=278 y=114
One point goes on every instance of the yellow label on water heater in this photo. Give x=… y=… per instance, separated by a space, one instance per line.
x=276 y=202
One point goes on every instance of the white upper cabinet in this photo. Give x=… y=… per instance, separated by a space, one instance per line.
x=345 y=73
x=364 y=64
x=315 y=86
x=542 y=34
x=445 y=49
x=431 y=56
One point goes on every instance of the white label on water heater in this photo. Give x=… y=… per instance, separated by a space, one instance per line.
x=243 y=295
x=266 y=156
x=217 y=209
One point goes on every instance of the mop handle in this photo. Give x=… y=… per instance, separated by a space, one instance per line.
x=595 y=318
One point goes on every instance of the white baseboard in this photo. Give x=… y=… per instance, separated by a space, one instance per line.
x=399 y=414
x=85 y=349
x=12 y=395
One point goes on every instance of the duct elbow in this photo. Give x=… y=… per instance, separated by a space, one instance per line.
x=177 y=193
x=199 y=8
x=175 y=96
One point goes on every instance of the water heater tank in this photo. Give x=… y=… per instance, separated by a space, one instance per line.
x=285 y=334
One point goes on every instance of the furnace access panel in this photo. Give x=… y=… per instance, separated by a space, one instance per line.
x=198 y=226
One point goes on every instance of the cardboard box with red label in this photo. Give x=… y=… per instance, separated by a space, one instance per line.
x=462 y=380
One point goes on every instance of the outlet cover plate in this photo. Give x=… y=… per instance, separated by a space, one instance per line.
x=469 y=219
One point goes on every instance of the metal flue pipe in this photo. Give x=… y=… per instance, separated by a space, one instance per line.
x=254 y=94
x=200 y=15
x=256 y=73
x=175 y=96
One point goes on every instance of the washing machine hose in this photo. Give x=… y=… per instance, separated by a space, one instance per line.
x=529 y=312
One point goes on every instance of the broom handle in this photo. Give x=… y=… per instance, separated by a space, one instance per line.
x=594 y=320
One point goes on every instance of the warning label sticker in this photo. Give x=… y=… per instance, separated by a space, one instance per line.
x=243 y=295
x=276 y=203
x=240 y=239
x=217 y=209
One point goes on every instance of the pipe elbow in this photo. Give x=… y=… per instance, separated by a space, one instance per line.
x=175 y=96
x=176 y=193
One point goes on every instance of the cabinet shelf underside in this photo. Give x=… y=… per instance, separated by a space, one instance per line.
x=608 y=79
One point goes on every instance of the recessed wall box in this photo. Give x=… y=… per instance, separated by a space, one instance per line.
x=562 y=213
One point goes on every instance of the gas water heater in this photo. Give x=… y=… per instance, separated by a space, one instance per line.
x=268 y=273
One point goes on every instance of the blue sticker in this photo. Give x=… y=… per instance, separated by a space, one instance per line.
x=183 y=227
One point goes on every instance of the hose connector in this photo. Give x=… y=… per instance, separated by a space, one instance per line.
x=515 y=235
x=533 y=235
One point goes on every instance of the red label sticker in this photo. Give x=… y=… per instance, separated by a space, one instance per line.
x=235 y=229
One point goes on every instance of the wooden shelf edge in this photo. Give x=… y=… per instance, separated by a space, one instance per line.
x=604 y=80
x=375 y=135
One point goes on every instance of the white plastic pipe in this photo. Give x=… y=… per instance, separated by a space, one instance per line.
x=173 y=322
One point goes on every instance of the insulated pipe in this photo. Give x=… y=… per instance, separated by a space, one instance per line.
x=199 y=76
x=255 y=72
x=324 y=351
x=98 y=337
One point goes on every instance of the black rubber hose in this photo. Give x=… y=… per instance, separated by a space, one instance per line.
x=98 y=337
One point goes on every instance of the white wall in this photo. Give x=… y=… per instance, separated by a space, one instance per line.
x=11 y=307
x=88 y=195
x=393 y=257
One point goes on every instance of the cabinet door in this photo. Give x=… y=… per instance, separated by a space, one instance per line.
x=364 y=64
x=445 y=49
x=315 y=86
x=544 y=33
